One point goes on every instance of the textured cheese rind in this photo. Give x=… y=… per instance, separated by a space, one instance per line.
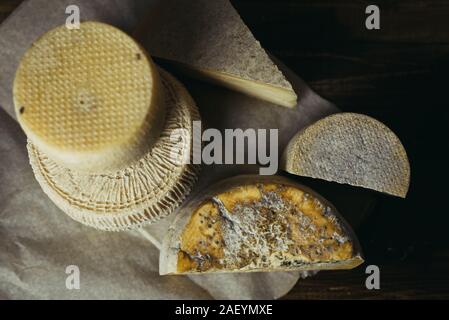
x=209 y=40
x=90 y=98
x=201 y=240
x=144 y=192
x=351 y=149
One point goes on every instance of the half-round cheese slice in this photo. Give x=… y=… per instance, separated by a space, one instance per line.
x=90 y=98
x=351 y=149
x=258 y=223
x=141 y=193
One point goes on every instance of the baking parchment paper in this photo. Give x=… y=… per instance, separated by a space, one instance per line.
x=38 y=241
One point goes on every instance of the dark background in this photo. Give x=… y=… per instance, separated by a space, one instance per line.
x=399 y=75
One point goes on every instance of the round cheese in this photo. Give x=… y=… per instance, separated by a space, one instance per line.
x=90 y=98
x=143 y=192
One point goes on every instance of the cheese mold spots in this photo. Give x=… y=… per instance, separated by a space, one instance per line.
x=258 y=223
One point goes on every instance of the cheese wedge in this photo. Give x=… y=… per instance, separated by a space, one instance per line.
x=208 y=40
x=352 y=149
x=258 y=223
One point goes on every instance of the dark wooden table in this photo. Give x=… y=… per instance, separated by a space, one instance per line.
x=399 y=75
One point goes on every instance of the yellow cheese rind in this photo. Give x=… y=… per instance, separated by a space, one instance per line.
x=142 y=193
x=90 y=98
x=258 y=224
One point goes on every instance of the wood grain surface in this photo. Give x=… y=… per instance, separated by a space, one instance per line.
x=397 y=74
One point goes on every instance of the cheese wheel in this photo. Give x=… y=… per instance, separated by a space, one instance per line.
x=141 y=193
x=351 y=149
x=90 y=98
x=256 y=224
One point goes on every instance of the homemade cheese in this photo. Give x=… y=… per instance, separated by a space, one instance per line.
x=100 y=119
x=255 y=223
x=90 y=98
x=145 y=191
x=350 y=148
x=208 y=40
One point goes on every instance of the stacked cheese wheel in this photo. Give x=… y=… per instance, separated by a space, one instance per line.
x=100 y=118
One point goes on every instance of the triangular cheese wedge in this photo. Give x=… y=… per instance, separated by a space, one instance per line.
x=258 y=223
x=208 y=40
x=351 y=149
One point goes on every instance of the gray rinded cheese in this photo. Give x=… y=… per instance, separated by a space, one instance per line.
x=352 y=149
x=207 y=39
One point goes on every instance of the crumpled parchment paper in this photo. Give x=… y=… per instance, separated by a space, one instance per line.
x=38 y=241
